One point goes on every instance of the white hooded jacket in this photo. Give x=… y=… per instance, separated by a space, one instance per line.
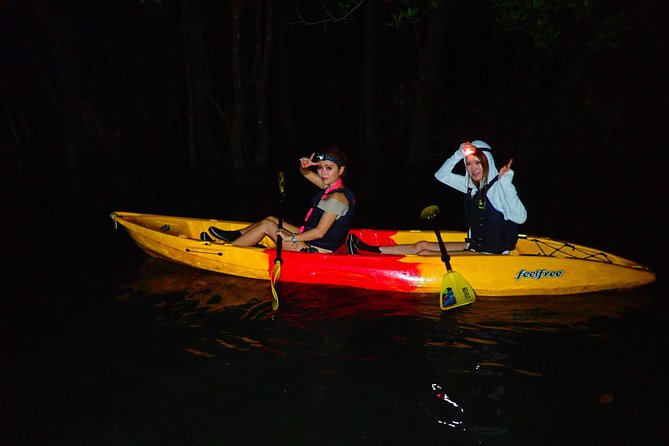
x=502 y=194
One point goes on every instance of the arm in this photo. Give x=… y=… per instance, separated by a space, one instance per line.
x=334 y=207
x=445 y=173
x=326 y=221
x=512 y=208
x=305 y=164
x=324 y=224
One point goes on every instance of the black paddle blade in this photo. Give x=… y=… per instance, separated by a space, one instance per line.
x=430 y=212
x=282 y=189
x=274 y=281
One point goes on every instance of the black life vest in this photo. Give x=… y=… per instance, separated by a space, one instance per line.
x=489 y=231
x=336 y=235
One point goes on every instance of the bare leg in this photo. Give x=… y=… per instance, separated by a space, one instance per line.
x=456 y=246
x=422 y=248
x=409 y=248
x=252 y=234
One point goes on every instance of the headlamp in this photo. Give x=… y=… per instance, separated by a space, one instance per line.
x=468 y=148
x=326 y=157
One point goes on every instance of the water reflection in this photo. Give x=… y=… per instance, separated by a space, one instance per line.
x=240 y=308
x=455 y=419
x=466 y=371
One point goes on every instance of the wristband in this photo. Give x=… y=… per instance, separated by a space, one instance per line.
x=294 y=240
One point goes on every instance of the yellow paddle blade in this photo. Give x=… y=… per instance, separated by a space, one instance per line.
x=274 y=279
x=455 y=291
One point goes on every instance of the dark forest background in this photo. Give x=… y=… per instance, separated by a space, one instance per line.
x=192 y=106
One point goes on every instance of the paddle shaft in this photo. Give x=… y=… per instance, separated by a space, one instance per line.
x=445 y=257
x=279 y=242
x=282 y=199
x=276 y=269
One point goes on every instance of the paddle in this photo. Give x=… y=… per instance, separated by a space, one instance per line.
x=275 y=275
x=455 y=290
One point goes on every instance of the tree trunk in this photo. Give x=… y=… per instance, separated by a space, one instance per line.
x=67 y=80
x=264 y=49
x=190 y=119
x=370 y=81
x=237 y=124
x=533 y=96
x=426 y=75
x=288 y=138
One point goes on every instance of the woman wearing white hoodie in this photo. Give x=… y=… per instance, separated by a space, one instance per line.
x=492 y=206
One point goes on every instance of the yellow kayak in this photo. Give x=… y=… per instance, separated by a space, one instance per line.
x=538 y=265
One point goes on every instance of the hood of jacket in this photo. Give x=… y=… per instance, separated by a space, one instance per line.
x=492 y=168
x=502 y=194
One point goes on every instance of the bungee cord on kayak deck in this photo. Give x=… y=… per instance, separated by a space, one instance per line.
x=560 y=246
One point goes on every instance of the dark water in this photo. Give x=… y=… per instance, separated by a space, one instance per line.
x=102 y=345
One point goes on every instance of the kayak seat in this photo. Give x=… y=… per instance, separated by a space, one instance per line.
x=341 y=250
x=226 y=236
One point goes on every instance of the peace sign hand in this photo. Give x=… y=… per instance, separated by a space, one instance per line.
x=305 y=162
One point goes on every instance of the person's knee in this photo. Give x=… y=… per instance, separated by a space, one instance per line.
x=267 y=224
x=421 y=246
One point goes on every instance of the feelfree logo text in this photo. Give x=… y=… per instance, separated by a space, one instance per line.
x=539 y=274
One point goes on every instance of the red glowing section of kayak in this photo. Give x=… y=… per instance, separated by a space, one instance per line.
x=538 y=265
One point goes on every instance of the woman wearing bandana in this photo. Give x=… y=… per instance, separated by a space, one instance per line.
x=492 y=206
x=328 y=220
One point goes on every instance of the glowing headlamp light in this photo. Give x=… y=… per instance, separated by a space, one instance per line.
x=326 y=157
x=468 y=148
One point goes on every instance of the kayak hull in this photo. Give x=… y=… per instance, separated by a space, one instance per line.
x=538 y=265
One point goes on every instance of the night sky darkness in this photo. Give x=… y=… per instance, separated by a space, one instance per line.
x=149 y=106
x=131 y=105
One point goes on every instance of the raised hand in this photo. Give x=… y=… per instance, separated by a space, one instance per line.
x=305 y=162
x=505 y=168
x=467 y=148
